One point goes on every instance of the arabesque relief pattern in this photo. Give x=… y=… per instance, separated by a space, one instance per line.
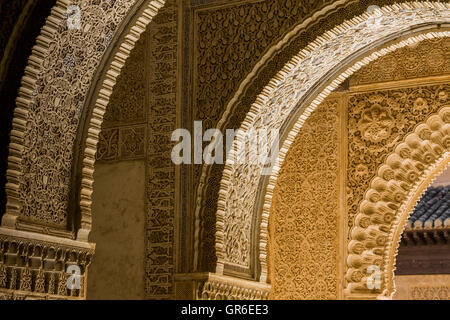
x=378 y=214
x=303 y=226
x=144 y=100
x=249 y=29
x=230 y=41
x=50 y=181
x=57 y=79
x=427 y=58
x=57 y=86
x=56 y=182
x=377 y=122
x=373 y=123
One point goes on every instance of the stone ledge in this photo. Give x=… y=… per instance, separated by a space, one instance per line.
x=209 y=286
x=34 y=266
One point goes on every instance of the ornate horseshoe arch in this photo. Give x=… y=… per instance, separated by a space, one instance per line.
x=405 y=211
x=394 y=192
x=52 y=81
x=294 y=94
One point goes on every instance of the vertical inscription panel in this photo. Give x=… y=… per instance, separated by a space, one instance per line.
x=160 y=171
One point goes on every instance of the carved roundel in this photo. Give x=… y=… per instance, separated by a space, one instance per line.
x=376 y=123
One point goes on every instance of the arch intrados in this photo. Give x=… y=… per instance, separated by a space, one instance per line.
x=109 y=67
x=97 y=101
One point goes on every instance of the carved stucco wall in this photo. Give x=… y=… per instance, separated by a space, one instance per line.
x=427 y=58
x=304 y=233
x=20 y=23
x=78 y=53
x=423 y=287
x=124 y=127
x=117 y=269
x=56 y=82
x=106 y=17
x=162 y=253
x=55 y=106
x=391 y=197
x=304 y=224
x=160 y=171
x=209 y=261
x=241 y=28
x=377 y=122
x=33 y=265
x=379 y=110
x=398 y=110
x=229 y=41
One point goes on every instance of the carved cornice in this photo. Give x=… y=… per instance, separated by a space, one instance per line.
x=34 y=266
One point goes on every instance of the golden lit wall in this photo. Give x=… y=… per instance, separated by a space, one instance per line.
x=334 y=158
x=304 y=215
